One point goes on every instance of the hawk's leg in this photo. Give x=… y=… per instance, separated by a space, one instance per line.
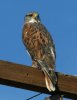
x=35 y=65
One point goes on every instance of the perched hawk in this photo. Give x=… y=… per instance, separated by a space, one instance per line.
x=41 y=48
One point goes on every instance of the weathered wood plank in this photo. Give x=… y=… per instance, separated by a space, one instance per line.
x=26 y=77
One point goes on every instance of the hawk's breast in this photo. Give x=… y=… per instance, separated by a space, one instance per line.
x=38 y=41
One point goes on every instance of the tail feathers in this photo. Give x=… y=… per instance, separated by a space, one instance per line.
x=50 y=77
x=49 y=84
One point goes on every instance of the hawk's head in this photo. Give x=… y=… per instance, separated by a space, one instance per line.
x=32 y=17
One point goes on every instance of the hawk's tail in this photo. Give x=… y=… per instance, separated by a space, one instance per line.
x=50 y=77
x=50 y=82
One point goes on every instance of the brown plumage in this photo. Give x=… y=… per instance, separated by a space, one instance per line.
x=41 y=48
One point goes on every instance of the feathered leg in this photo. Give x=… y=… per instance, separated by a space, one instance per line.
x=35 y=65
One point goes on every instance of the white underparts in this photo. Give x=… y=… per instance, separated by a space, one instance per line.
x=33 y=20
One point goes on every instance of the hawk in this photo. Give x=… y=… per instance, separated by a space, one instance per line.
x=40 y=46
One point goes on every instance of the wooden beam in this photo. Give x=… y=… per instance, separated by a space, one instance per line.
x=26 y=77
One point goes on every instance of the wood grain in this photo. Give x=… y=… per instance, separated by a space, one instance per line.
x=25 y=77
